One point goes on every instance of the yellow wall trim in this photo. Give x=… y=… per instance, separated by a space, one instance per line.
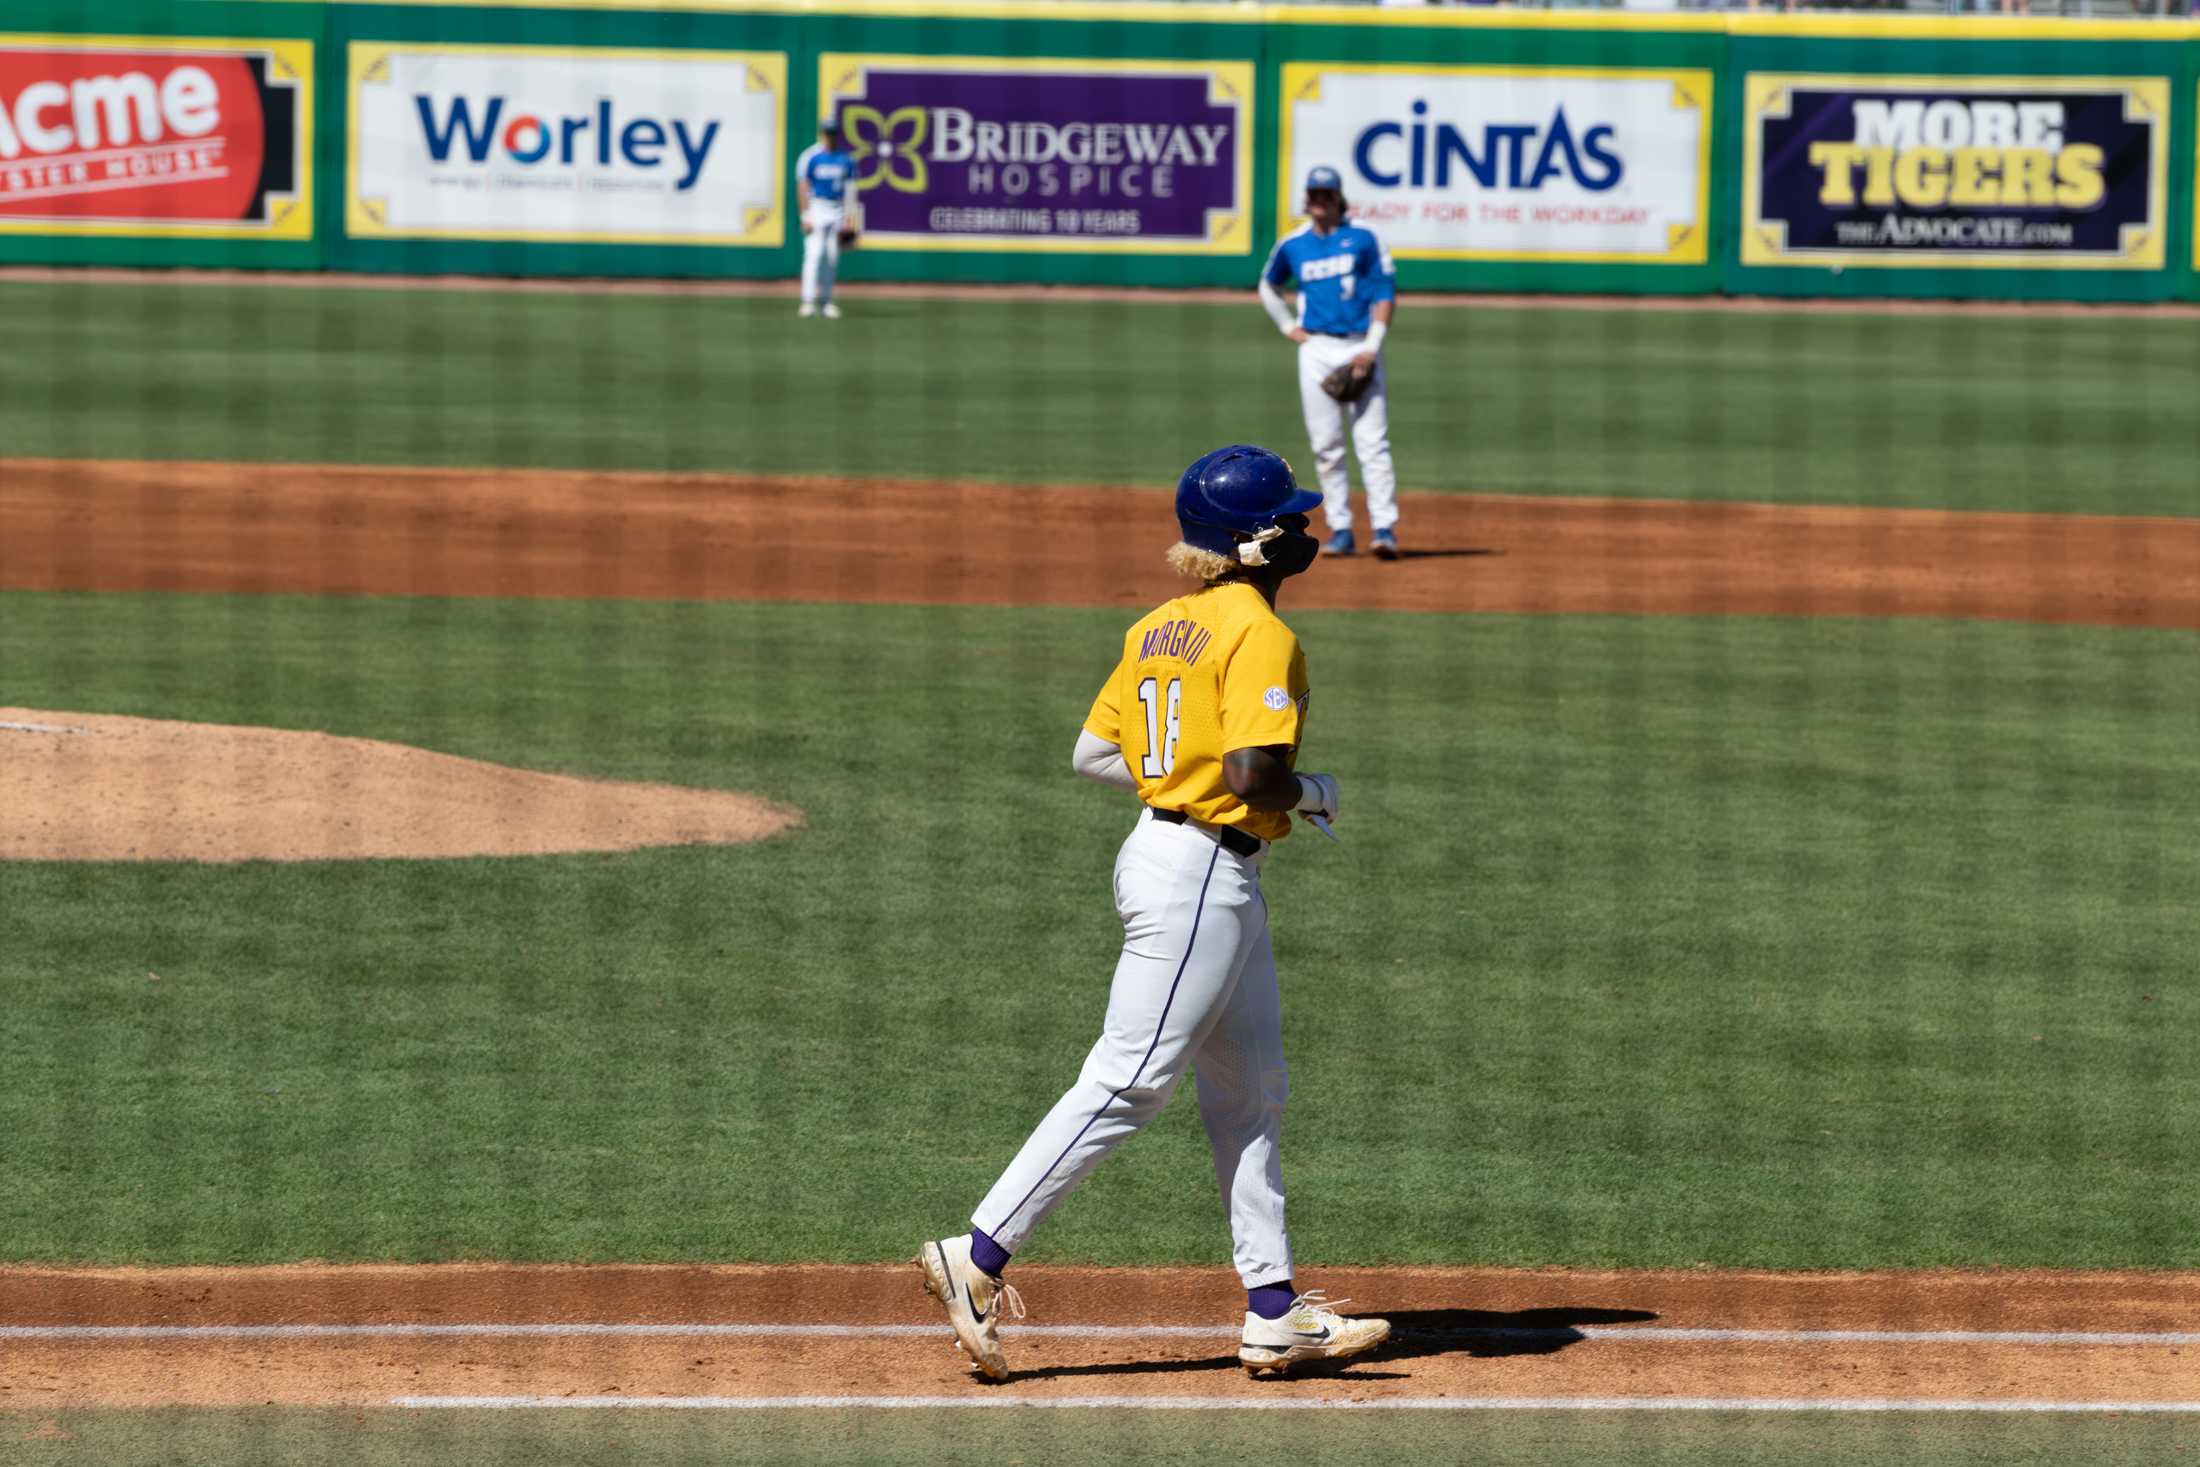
x=1217 y=12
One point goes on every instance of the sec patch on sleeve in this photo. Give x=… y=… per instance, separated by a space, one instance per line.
x=1276 y=699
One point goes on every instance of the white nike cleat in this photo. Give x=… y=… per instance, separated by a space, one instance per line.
x=832 y=312
x=807 y=310
x=973 y=1299
x=1311 y=1329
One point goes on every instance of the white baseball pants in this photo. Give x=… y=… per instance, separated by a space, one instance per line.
x=1195 y=985
x=1328 y=421
x=820 y=253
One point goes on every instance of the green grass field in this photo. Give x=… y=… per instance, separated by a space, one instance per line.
x=1654 y=942
x=382 y=1438
x=2092 y=415
x=1659 y=942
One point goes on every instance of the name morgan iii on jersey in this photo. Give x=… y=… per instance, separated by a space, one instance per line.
x=1182 y=638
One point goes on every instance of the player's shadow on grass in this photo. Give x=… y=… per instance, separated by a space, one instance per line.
x=1415 y=1334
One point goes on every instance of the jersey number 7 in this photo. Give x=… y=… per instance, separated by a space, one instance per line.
x=1160 y=753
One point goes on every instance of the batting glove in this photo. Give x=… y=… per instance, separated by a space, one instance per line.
x=1318 y=795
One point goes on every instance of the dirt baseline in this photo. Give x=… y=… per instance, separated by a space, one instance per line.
x=322 y=529
x=822 y=1332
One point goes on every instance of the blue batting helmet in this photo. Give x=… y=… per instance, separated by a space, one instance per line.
x=1239 y=490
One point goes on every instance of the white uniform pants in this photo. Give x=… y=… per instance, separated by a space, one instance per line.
x=1195 y=985
x=1327 y=422
x=820 y=252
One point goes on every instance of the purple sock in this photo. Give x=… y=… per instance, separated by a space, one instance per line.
x=1270 y=1301
x=986 y=1253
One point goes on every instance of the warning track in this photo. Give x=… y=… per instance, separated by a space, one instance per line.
x=1124 y=295
x=806 y=1336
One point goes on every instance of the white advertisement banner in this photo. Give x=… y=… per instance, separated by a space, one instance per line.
x=1508 y=163
x=566 y=144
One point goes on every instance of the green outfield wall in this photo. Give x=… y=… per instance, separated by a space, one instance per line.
x=1134 y=144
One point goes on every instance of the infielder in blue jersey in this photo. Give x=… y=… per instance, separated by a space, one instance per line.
x=1347 y=292
x=825 y=187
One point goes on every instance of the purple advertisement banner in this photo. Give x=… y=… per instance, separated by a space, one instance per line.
x=1948 y=171
x=1047 y=155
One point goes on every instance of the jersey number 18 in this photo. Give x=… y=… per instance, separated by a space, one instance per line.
x=1160 y=753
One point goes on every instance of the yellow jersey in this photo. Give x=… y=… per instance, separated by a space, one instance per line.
x=1203 y=675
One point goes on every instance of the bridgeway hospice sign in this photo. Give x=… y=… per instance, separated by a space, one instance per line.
x=1944 y=172
x=1000 y=153
x=1508 y=163
x=568 y=143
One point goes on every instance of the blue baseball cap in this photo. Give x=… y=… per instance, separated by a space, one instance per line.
x=1324 y=177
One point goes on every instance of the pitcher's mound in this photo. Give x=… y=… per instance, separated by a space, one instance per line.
x=90 y=787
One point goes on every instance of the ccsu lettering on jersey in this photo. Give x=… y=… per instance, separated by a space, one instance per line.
x=525 y=137
x=1522 y=155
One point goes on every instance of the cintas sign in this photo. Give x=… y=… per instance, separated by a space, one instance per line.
x=189 y=137
x=1508 y=163
x=1521 y=156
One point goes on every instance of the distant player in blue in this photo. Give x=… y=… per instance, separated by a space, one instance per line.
x=1347 y=292
x=825 y=192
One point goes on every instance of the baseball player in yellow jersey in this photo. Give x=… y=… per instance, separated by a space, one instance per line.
x=1201 y=719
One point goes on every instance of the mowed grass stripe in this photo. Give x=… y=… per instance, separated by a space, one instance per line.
x=2093 y=415
x=1652 y=943
x=1780 y=1405
x=386 y=1437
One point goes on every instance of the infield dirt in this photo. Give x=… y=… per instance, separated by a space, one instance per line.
x=109 y=525
x=1458 y=1334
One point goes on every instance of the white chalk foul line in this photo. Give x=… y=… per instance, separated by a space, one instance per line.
x=1655 y=1335
x=1618 y=1334
x=1312 y=1403
x=430 y=1331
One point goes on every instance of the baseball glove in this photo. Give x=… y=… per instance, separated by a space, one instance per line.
x=1344 y=386
x=848 y=236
